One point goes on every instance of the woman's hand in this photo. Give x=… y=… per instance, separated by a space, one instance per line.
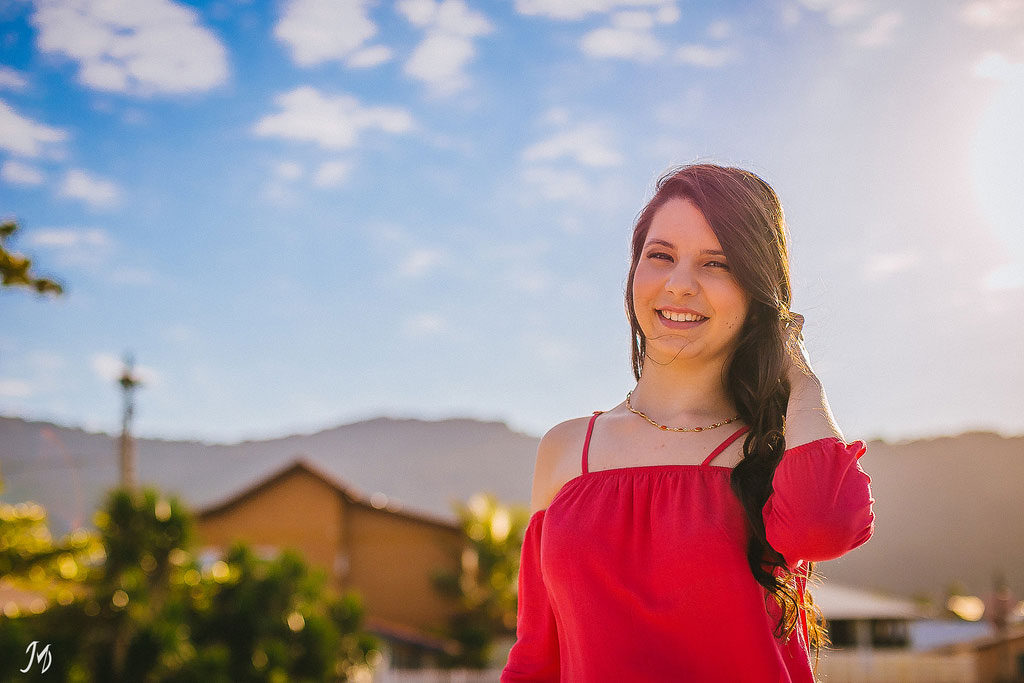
x=798 y=363
x=808 y=415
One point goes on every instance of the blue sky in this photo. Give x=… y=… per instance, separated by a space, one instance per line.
x=303 y=213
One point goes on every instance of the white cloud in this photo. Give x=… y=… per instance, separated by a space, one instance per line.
x=25 y=137
x=574 y=186
x=837 y=12
x=93 y=190
x=332 y=173
x=133 y=46
x=559 y=185
x=279 y=188
x=790 y=15
x=1006 y=277
x=421 y=261
x=704 y=56
x=884 y=265
x=577 y=9
x=18 y=173
x=997 y=67
x=557 y=116
x=15 y=388
x=418 y=12
x=424 y=324
x=370 y=56
x=318 y=31
x=857 y=18
x=846 y=12
x=334 y=122
x=570 y=165
x=992 y=13
x=288 y=170
x=633 y=20
x=587 y=144
x=448 y=16
x=41 y=373
x=75 y=247
x=880 y=31
x=12 y=79
x=69 y=238
x=719 y=30
x=106 y=366
x=667 y=14
x=441 y=58
x=622 y=43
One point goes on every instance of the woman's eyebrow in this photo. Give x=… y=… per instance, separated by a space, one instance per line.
x=708 y=252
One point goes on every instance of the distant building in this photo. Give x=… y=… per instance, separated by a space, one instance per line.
x=998 y=656
x=890 y=640
x=861 y=619
x=364 y=544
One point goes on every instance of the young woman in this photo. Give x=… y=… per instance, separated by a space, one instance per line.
x=671 y=536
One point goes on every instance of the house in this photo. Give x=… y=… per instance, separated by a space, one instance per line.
x=884 y=639
x=861 y=619
x=366 y=544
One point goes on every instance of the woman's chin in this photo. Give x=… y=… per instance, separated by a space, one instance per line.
x=667 y=351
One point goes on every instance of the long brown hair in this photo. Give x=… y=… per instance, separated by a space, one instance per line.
x=746 y=216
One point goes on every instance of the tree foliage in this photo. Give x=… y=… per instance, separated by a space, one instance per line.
x=131 y=602
x=485 y=584
x=15 y=268
x=26 y=547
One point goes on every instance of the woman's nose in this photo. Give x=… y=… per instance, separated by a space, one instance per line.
x=682 y=280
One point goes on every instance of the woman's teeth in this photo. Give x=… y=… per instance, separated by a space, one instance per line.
x=682 y=317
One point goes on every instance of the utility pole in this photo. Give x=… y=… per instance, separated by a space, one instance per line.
x=128 y=381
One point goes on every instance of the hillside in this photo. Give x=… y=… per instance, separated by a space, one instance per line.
x=947 y=509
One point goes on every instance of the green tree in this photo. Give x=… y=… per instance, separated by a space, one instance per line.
x=34 y=565
x=28 y=552
x=143 y=608
x=485 y=584
x=271 y=621
x=15 y=268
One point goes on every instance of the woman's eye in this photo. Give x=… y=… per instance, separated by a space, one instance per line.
x=659 y=254
x=718 y=264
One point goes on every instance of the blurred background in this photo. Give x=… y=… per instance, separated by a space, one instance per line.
x=317 y=274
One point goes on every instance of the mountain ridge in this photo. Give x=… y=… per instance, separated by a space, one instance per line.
x=944 y=505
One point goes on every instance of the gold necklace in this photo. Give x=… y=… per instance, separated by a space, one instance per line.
x=675 y=429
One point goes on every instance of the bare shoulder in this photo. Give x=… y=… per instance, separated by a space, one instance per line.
x=558 y=460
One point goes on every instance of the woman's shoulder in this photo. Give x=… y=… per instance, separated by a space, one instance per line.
x=559 y=458
x=565 y=433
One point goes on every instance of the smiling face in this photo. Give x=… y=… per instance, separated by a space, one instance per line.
x=682 y=271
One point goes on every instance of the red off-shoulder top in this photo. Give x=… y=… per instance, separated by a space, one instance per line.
x=640 y=574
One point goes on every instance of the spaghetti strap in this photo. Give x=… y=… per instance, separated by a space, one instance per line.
x=723 y=446
x=586 y=443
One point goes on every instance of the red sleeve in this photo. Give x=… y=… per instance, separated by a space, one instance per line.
x=820 y=506
x=534 y=657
